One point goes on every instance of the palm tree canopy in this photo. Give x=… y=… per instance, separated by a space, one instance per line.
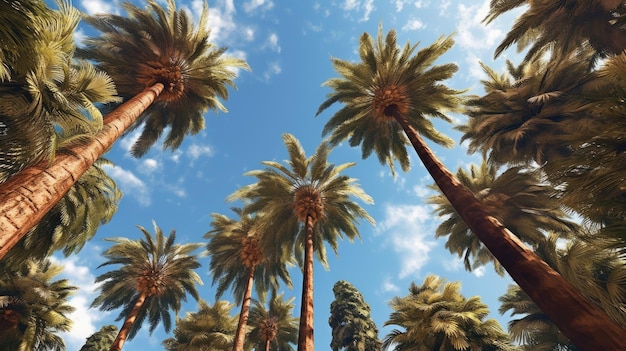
x=101 y=340
x=153 y=266
x=210 y=328
x=35 y=307
x=158 y=45
x=275 y=323
x=234 y=248
x=516 y=197
x=306 y=186
x=388 y=76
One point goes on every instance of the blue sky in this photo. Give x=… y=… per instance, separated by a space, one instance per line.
x=288 y=45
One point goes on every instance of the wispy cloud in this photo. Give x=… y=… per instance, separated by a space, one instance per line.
x=364 y=7
x=93 y=7
x=129 y=183
x=406 y=229
x=254 y=5
x=272 y=42
x=413 y=24
x=388 y=286
x=273 y=69
x=196 y=151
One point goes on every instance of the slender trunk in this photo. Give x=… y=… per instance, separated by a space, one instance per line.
x=128 y=323
x=305 y=334
x=240 y=335
x=30 y=194
x=267 y=344
x=584 y=323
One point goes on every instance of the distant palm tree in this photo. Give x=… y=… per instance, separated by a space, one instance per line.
x=33 y=307
x=154 y=277
x=517 y=198
x=391 y=92
x=238 y=261
x=210 y=328
x=273 y=328
x=304 y=204
x=173 y=77
x=101 y=340
x=437 y=317
x=563 y=26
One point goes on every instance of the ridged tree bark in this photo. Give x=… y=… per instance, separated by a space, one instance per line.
x=305 y=334
x=128 y=323
x=584 y=323
x=240 y=335
x=30 y=194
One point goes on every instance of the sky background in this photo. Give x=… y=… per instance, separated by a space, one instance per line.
x=288 y=45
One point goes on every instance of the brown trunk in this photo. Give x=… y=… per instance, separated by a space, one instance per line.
x=30 y=194
x=128 y=323
x=240 y=335
x=267 y=344
x=584 y=323
x=305 y=334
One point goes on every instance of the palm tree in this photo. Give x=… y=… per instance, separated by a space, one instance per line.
x=33 y=307
x=516 y=198
x=273 y=328
x=238 y=262
x=391 y=91
x=210 y=328
x=101 y=340
x=435 y=316
x=304 y=204
x=563 y=25
x=173 y=78
x=154 y=277
x=74 y=220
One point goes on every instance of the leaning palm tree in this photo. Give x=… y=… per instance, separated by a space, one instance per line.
x=393 y=91
x=166 y=64
x=304 y=204
x=210 y=328
x=435 y=316
x=34 y=308
x=238 y=261
x=273 y=328
x=516 y=197
x=154 y=277
x=562 y=25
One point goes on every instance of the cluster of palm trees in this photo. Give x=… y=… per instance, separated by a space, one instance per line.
x=541 y=127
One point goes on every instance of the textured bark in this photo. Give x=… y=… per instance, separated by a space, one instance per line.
x=267 y=344
x=305 y=334
x=584 y=323
x=128 y=323
x=30 y=194
x=240 y=334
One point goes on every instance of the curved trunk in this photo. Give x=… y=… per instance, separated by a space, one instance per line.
x=240 y=335
x=267 y=344
x=584 y=323
x=30 y=194
x=305 y=334
x=128 y=323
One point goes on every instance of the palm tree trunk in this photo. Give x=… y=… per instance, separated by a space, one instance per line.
x=30 y=194
x=128 y=323
x=268 y=343
x=305 y=334
x=240 y=335
x=584 y=323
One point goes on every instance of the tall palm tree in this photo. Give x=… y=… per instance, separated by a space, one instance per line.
x=33 y=307
x=304 y=204
x=210 y=328
x=238 y=261
x=154 y=277
x=517 y=198
x=562 y=25
x=74 y=220
x=273 y=328
x=391 y=91
x=437 y=317
x=173 y=79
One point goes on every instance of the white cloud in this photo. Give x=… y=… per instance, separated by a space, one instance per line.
x=479 y=272
x=272 y=42
x=97 y=6
x=472 y=33
x=85 y=320
x=129 y=183
x=195 y=151
x=366 y=7
x=272 y=70
x=257 y=4
x=404 y=227
x=389 y=287
x=249 y=34
x=443 y=7
x=127 y=142
x=79 y=37
x=221 y=18
x=148 y=166
x=414 y=24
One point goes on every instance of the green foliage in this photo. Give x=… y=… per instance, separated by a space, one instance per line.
x=210 y=328
x=153 y=266
x=101 y=340
x=350 y=320
x=274 y=325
